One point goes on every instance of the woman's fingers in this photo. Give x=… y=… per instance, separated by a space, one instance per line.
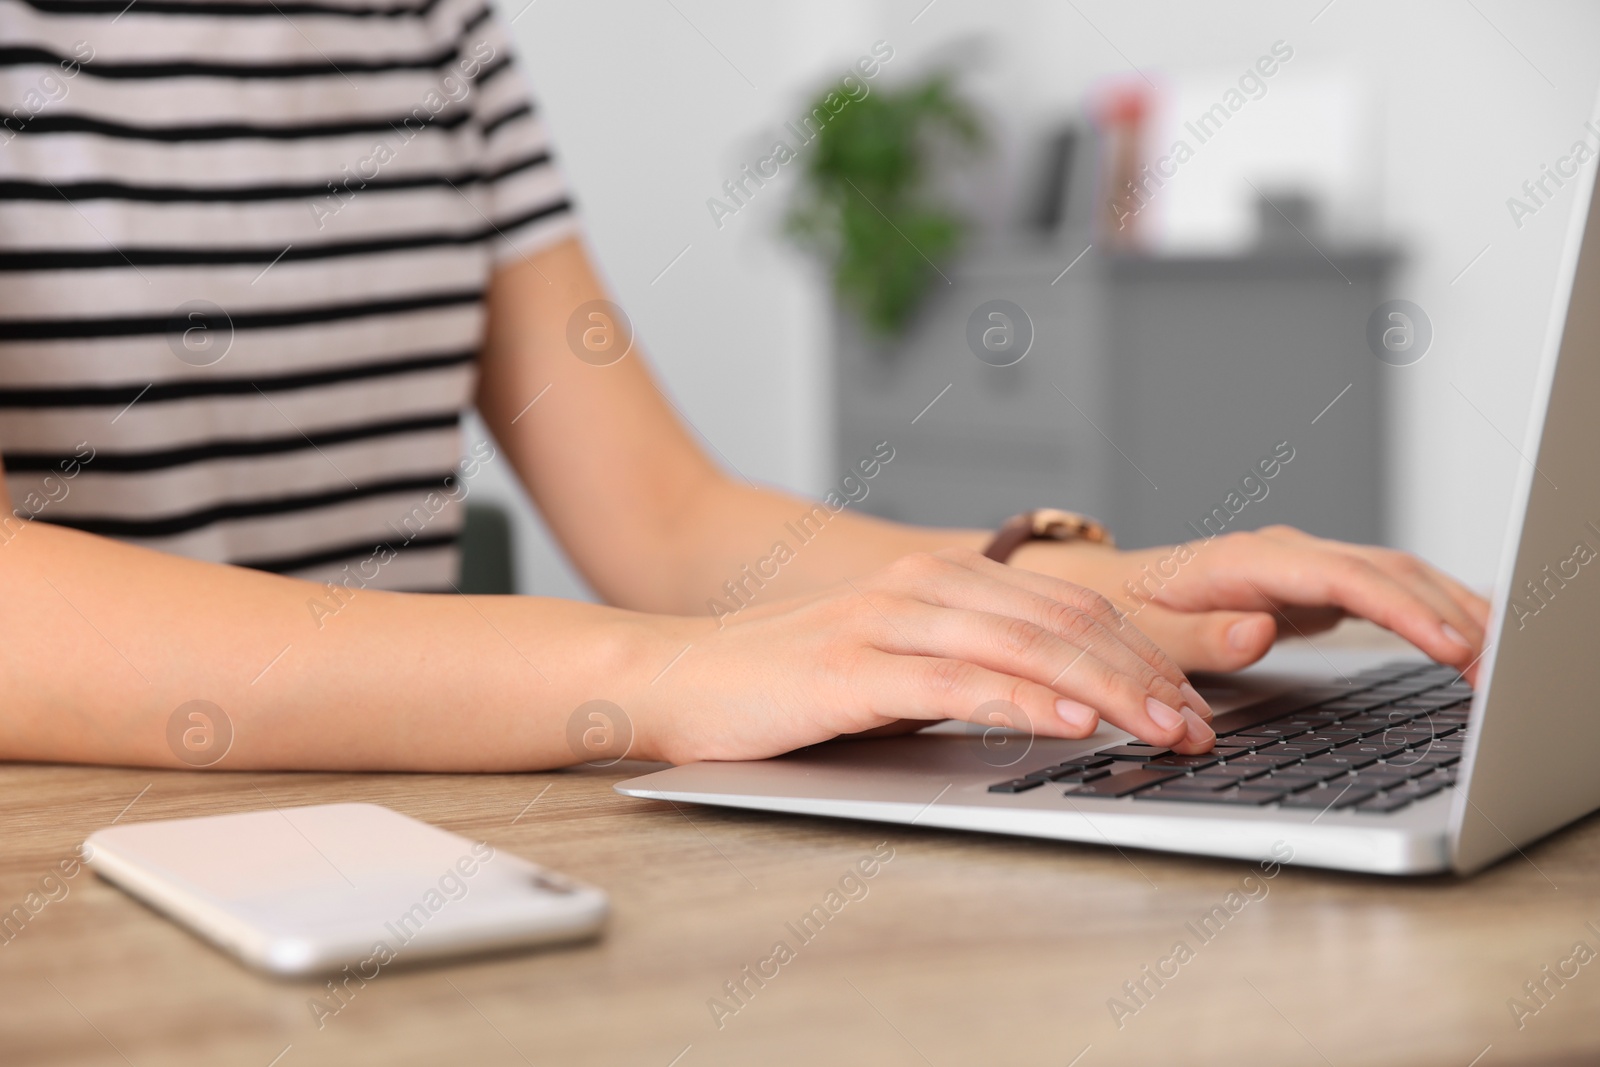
x=1208 y=640
x=1475 y=605
x=1310 y=576
x=937 y=687
x=1457 y=621
x=1458 y=613
x=1464 y=610
x=952 y=635
x=1092 y=675
x=1070 y=611
x=1460 y=608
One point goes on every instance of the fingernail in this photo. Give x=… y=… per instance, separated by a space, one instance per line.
x=1162 y=715
x=1452 y=634
x=1195 y=700
x=1239 y=636
x=1078 y=716
x=1199 y=732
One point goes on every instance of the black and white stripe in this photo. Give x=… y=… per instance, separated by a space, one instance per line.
x=321 y=190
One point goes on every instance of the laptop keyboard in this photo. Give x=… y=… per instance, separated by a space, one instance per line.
x=1392 y=737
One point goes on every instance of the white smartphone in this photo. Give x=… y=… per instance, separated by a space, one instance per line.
x=316 y=889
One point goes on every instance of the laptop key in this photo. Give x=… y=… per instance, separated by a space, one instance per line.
x=1379 y=782
x=1310 y=720
x=1432 y=699
x=1263 y=758
x=1319 y=799
x=1431 y=726
x=1407 y=725
x=1366 y=727
x=1407 y=763
x=1016 y=785
x=1049 y=774
x=1331 y=736
x=1076 y=774
x=1388 y=694
x=1353 y=795
x=1222 y=778
x=1121 y=785
x=1173 y=759
x=1303 y=748
x=1299 y=770
x=1245 y=719
x=1384 y=804
x=1388 y=672
x=1341 y=792
x=1341 y=760
x=1178 y=789
x=1415 y=743
x=1340 y=706
x=1133 y=752
x=1277 y=729
x=1417 y=790
x=1370 y=747
x=1246 y=796
x=1251 y=795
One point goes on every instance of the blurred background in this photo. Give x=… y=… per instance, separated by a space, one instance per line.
x=1212 y=234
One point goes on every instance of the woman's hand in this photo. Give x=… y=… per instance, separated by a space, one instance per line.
x=932 y=636
x=1220 y=604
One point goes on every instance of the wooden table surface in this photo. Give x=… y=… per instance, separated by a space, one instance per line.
x=965 y=949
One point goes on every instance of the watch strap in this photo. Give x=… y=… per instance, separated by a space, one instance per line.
x=1045 y=524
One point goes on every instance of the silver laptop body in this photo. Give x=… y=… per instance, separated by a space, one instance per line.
x=1531 y=763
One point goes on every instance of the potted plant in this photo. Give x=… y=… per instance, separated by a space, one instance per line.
x=867 y=205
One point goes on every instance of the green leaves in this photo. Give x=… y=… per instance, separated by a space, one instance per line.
x=865 y=202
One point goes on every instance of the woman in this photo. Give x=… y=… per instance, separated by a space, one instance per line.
x=258 y=255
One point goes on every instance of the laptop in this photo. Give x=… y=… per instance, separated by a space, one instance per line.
x=1393 y=768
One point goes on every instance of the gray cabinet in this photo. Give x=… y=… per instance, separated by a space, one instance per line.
x=1152 y=388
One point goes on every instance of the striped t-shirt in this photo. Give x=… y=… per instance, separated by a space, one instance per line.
x=243 y=251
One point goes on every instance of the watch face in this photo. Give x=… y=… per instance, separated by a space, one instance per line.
x=1050 y=522
x=1045 y=524
x=1058 y=525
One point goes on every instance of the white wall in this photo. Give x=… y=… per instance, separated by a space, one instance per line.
x=655 y=103
x=654 y=106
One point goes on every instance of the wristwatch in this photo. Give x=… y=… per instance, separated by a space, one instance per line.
x=1045 y=524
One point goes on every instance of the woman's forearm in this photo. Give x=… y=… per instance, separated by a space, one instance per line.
x=102 y=644
x=739 y=545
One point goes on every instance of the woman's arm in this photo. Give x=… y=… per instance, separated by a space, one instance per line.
x=104 y=648
x=101 y=643
x=654 y=525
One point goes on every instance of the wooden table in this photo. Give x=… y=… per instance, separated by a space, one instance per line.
x=966 y=949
